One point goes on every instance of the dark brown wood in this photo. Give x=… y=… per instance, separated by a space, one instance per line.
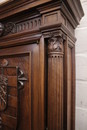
x=55 y=83
x=37 y=64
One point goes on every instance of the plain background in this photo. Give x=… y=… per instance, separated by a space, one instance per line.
x=81 y=71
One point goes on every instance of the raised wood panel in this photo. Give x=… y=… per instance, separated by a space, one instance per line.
x=12 y=101
x=29 y=101
x=51 y=17
x=12 y=91
x=24 y=62
x=7 y=119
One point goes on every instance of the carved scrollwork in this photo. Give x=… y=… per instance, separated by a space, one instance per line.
x=3 y=92
x=3 y=86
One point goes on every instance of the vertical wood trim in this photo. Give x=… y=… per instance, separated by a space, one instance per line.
x=62 y=69
x=65 y=84
x=42 y=85
x=69 y=89
x=55 y=92
x=35 y=89
x=58 y=109
x=71 y=85
x=73 y=89
x=30 y=91
x=49 y=92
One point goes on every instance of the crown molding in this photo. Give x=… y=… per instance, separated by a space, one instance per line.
x=75 y=8
x=15 y=7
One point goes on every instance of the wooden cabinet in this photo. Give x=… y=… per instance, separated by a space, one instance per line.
x=37 y=64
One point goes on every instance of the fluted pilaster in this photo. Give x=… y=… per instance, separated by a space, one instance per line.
x=55 y=82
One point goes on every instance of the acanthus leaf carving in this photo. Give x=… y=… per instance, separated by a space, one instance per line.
x=55 y=44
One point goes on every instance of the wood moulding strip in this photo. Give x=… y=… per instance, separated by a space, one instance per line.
x=11 y=10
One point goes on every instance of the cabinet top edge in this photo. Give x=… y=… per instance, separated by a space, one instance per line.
x=14 y=7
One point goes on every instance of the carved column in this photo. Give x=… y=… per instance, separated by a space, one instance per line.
x=55 y=83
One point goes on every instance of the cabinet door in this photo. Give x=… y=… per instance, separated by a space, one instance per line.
x=19 y=66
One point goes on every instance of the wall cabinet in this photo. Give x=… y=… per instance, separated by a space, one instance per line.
x=37 y=64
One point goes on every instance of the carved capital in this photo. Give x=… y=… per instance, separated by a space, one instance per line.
x=55 y=44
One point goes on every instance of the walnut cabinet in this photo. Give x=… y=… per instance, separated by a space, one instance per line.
x=37 y=64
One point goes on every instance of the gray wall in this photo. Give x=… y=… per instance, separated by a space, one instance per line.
x=81 y=72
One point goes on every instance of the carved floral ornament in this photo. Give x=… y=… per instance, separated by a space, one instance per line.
x=6 y=29
x=55 y=44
